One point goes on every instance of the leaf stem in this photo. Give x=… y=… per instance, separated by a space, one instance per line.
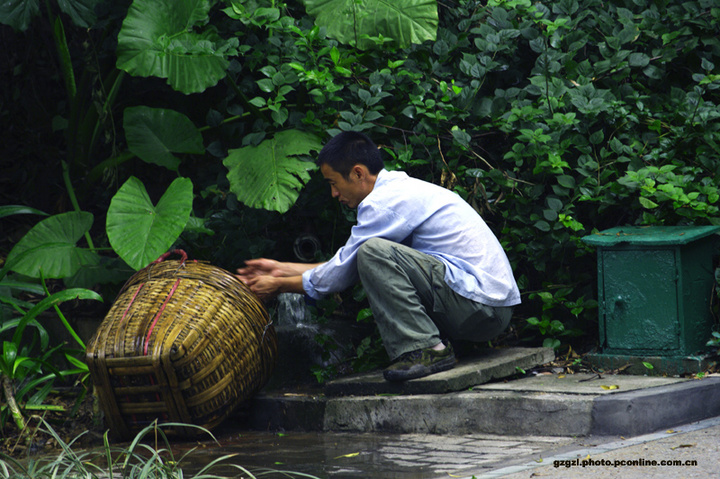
x=12 y=404
x=64 y=320
x=73 y=199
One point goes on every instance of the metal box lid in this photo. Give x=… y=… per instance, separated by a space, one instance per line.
x=650 y=235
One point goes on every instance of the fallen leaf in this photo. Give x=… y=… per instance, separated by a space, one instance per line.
x=352 y=454
x=670 y=431
x=560 y=376
x=613 y=386
x=682 y=445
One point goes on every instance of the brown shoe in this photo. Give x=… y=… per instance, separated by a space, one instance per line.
x=420 y=363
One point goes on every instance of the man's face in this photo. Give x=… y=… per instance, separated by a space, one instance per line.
x=350 y=191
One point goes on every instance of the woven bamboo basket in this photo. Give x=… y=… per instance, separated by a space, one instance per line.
x=184 y=342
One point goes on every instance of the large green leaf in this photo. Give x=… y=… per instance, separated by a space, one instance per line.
x=50 y=247
x=140 y=232
x=405 y=21
x=19 y=13
x=82 y=12
x=269 y=175
x=154 y=134
x=170 y=39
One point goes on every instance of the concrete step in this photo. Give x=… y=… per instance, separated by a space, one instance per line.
x=471 y=399
x=481 y=368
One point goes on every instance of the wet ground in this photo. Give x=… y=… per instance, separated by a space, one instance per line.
x=372 y=455
x=694 y=448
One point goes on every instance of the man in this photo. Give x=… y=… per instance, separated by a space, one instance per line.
x=429 y=264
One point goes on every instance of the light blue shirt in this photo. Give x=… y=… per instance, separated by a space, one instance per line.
x=430 y=219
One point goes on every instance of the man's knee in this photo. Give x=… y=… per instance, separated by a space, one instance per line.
x=373 y=248
x=371 y=255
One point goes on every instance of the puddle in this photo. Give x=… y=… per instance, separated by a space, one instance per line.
x=322 y=455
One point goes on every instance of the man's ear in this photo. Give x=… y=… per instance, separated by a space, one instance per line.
x=359 y=171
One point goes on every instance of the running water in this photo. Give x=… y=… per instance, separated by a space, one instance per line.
x=291 y=309
x=304 y=343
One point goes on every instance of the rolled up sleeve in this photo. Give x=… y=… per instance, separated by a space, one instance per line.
x=340 y=272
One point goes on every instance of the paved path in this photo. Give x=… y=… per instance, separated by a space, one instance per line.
x=689 y=451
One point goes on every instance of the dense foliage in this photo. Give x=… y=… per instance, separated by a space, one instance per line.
x=144 y=124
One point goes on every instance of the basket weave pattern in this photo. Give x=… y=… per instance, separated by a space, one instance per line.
x=183 y=342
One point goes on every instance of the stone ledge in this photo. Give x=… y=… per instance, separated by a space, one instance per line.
x=527 y=406
x=481 y=368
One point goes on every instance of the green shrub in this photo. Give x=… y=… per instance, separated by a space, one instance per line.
x=552 y=119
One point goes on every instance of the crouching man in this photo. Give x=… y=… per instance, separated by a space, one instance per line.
x=432 y=269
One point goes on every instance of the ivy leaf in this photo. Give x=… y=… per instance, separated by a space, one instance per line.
x=638 y=59
x=542 y=225
x=50 y=247
x=169 y=39
x=555 y=203
x=154 y=134
x=566 y=181
x=407 y=22
x=140 y=232
x=270 y=175
x=648 y=203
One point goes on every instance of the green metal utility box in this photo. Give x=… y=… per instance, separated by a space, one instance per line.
x=655 y=284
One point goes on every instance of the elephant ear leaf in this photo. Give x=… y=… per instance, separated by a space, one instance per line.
x=351 y=21
x=82 y=12
x=139 y=231
x=271 y=174
x=171 y=39
x=50 y=248
x=19 y=13
x=154 y=134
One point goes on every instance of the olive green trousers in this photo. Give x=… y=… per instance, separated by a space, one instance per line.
x=413 y=306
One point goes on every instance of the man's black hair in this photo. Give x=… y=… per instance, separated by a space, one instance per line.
x=347 y=149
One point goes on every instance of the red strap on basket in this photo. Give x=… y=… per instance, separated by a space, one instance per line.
x=183 y=256
x=132 y=300
x=159 y=313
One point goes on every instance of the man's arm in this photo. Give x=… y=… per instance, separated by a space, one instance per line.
x=271 y=267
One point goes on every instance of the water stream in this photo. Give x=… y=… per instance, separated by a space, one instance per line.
x=292 y=309
x=304 y=342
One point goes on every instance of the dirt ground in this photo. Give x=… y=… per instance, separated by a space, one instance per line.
x=84 y=426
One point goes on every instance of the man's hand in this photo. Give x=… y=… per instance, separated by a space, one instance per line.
x=266 y=287
x=268 y=277
x=260 y=267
